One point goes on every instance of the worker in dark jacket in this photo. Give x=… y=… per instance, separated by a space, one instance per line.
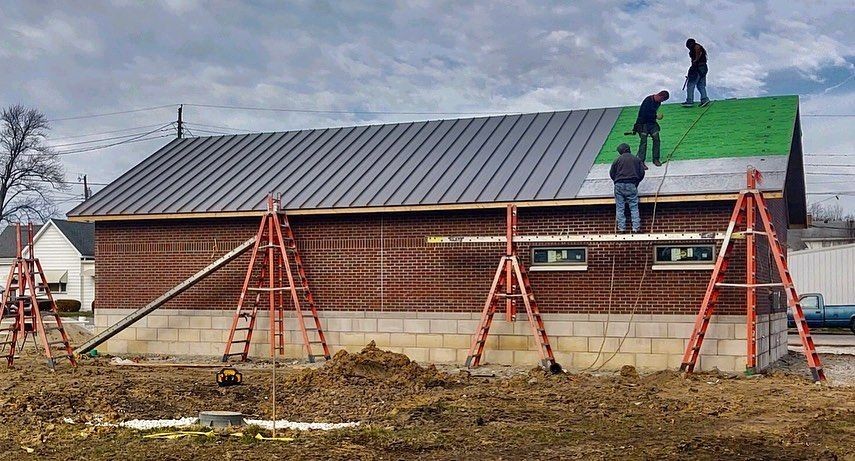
x=646 y=125
x=627 y=172
x=697 y=76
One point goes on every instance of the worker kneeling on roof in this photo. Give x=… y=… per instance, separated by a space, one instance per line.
x=627 y=171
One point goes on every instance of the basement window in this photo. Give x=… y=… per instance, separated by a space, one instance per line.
x=559 y=259
x=684 y=257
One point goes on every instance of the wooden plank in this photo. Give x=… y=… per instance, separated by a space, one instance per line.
x=675 y=237
x=164 y=298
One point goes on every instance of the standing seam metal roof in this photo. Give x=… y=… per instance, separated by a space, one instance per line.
x=474 y=160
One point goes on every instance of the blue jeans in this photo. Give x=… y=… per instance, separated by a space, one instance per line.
x=697 y=79
x=627 y=194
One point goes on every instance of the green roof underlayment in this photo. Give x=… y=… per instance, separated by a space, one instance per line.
x=726 y=128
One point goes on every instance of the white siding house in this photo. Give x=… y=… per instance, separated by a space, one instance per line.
x=66 y=252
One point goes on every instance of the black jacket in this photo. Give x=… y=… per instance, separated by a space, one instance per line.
x=627 y=168
x=647 y=111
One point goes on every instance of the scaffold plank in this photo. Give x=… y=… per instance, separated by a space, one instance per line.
x=681 y=236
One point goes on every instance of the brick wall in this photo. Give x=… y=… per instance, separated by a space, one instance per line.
x=381 y=261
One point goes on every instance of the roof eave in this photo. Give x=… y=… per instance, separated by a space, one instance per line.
x=417 y=208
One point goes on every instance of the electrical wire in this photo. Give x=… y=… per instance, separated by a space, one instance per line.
x=112 y=138
x=107 y=114
x=336 y=111
x=121 y=130
x=115 y=144
x=828 y=115
x=141 y=137
x=218 y=127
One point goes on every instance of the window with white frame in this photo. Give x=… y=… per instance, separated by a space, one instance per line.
x=694 y=256
x=559 y=258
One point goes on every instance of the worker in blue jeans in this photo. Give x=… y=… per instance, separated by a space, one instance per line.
x=697 y=77
x=627 y=172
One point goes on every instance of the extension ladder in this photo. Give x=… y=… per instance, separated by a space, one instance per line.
x=744 y=212
x=26 y=286
x=279 y=284
x=511 y=275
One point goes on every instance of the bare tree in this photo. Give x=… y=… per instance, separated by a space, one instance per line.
x=29 y=170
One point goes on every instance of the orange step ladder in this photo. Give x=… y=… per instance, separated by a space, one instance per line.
x=26 y=288
x=282 y=286
x=750 y=203
x=512 y=276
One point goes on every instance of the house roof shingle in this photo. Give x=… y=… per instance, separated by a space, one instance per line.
x=80 y=234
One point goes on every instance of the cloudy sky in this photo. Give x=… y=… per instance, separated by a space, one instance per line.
x=74 y=59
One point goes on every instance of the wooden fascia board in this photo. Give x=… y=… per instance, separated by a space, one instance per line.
x=416 y=208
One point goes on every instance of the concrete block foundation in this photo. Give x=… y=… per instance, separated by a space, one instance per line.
x=648 y=342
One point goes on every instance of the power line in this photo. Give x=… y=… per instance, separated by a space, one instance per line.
x=830 y=173
x=100 y=140
x=219 y=127
x=129 y=141
x=828 y=115
x=142 y=127
x=333 y=111
x=830 y=164
x=107 y=114
x=139 y=138
x=845 y=192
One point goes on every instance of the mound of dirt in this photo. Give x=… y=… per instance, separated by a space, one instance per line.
x=374 y=366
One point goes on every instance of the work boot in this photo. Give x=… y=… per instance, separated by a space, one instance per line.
x=657 y=163
x=688 y=104
x=644 y=165
x=705 y=102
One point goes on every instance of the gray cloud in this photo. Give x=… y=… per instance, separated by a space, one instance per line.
x=91 y=57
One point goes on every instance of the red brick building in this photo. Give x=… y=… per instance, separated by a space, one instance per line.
x=363 y=201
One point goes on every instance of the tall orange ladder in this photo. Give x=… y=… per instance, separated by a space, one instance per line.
x=512 y=276
x=750 y=203
x=26 y=287
x=281 y=281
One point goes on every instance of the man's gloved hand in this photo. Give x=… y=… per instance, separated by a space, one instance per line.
x=659 y=116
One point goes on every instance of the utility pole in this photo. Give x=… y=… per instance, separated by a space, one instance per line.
x=180 y=121
x=85 y=189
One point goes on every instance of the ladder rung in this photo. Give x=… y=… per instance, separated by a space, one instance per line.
x=749 y=285
x=242 y=329
x=239 y=341
x=233 y=354
x=277 y=289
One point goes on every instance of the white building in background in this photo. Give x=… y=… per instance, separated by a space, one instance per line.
x=66 y=251
x=829 y=271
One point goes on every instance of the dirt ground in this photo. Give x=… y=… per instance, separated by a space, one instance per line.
x=407 y=411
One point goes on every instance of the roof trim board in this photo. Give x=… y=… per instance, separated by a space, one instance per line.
x=407 y=208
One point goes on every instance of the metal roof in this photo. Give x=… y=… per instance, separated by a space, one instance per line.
x=527 y=157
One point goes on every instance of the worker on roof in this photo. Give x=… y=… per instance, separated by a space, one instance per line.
x=646 y=125
x=627 y=171
x=697 y=76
